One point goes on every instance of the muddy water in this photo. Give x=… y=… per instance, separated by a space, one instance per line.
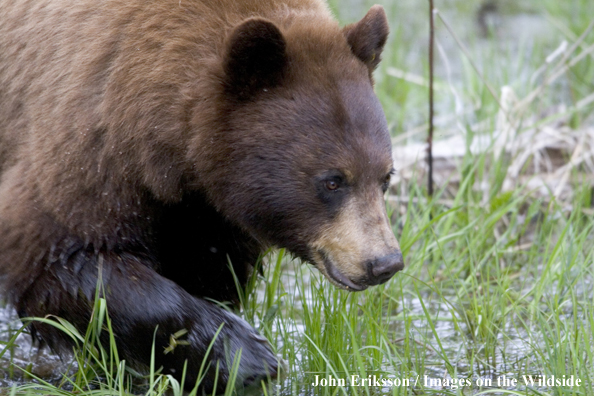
x=409 y=20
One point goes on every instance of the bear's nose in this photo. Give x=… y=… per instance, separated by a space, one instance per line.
x=383 y=268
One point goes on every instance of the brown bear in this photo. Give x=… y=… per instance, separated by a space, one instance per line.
x=158 y=141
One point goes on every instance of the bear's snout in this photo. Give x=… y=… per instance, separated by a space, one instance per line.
x=382 y=269
x=359 y=248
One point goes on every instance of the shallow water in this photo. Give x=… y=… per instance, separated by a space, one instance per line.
x=40 y=362
x=513 y=354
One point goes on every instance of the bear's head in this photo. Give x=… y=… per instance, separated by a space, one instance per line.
x=303 y=152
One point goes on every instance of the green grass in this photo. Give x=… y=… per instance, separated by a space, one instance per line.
x=497 y=281
x=490 y=290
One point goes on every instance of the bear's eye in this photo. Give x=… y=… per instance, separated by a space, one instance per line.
x=386 y=182
x=331 y=188
x=332 y=185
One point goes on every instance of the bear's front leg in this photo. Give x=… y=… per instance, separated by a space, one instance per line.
x=139 y=301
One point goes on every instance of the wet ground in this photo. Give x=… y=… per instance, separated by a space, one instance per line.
x=40 y=362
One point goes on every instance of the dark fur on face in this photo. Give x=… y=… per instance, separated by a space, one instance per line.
x=324 y=203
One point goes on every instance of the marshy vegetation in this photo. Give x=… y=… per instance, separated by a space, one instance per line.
x=499 y=276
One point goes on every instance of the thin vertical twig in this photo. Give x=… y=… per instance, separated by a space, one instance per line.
x=430 y=136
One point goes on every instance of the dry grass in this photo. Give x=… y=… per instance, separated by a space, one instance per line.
x=542 y=151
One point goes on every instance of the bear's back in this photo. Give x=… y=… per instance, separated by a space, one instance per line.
x=64 y=69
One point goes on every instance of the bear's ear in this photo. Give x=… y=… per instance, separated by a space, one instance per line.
x=368 y=36
x=255 y=57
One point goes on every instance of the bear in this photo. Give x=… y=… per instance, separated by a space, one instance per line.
x=162 y=146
